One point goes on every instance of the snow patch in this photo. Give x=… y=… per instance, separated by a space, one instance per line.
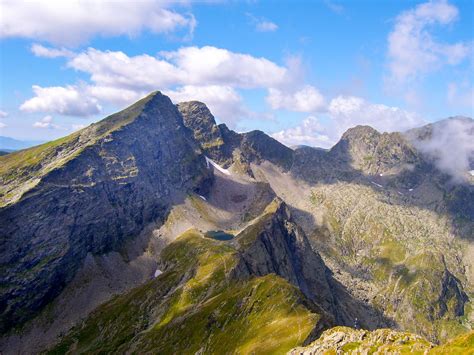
x=202 y=197
x=471 y=172
x=400 y=193
x=381 y=174
x=376 y=184
x=410 y=190
x=217 y=166
x=158 y=272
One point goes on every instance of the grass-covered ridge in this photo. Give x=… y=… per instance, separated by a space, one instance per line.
x=22 y=170
x=196 y=306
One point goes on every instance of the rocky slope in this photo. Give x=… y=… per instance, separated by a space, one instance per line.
x=88 y=192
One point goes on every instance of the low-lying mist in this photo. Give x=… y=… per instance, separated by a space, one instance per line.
x=450 y=143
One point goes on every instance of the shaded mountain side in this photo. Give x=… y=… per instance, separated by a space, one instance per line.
x=229 y=205
x=89 y=192
x=205 y=302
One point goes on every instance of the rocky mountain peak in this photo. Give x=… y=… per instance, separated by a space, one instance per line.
x=88 y=193
x=360 y=132
x=197 y=114
x=365 y=149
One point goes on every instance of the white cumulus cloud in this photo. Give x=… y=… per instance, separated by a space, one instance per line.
x=307 y=99
x=73 y=22
x=42 y=51
x=210 y=74
x=451 y=145
x=45 y=122
x=310 y=132
x=413 y=50
x=68 y=101
x=349 y=111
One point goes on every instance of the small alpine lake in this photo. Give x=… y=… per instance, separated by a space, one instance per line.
x=219 y=235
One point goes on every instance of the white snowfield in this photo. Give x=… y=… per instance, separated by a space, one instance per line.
x=216 y=166
x=376 y=184
x=471 y=172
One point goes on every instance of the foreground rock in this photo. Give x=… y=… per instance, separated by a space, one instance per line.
x=343 y=340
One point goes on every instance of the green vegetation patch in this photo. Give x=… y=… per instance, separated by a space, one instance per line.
x=195 y=306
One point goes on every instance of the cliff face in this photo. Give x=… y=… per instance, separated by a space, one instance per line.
x=89 y=194
x=274 y=244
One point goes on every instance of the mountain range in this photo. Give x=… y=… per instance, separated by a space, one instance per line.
x=157 y=230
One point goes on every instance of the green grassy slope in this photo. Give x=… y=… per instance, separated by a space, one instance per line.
x=194 y=306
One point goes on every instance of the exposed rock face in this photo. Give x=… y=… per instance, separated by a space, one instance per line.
x=363 y=151
x=373 y=205
x=200 y=120
x=274 y=244
x=124 y=176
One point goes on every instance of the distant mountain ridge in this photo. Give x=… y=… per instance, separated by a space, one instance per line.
x=11 y=144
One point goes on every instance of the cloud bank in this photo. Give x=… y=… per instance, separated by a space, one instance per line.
x=451 y=146
x=70 y=23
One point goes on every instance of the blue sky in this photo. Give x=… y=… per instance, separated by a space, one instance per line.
x=303 y=71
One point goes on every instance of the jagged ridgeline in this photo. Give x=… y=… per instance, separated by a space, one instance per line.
x=158 y=230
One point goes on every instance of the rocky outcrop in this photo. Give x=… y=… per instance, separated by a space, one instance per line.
x=91 y=193
x=344 y=340
x=274 y=244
